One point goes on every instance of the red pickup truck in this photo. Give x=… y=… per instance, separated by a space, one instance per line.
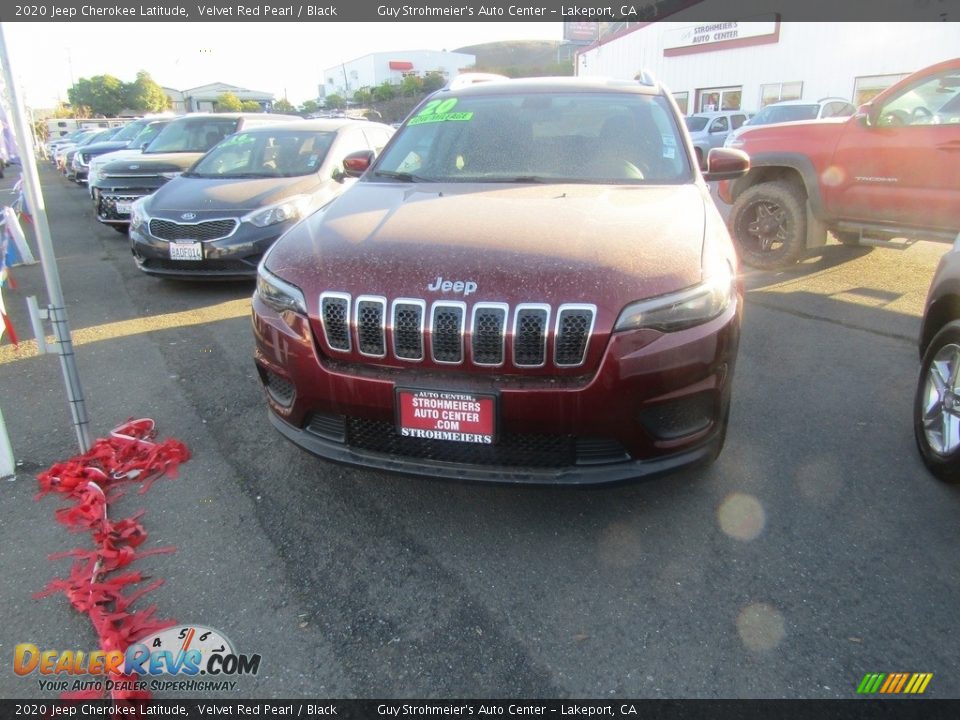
x=890 y=170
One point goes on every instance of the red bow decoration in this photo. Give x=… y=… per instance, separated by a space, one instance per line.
x=92 y=481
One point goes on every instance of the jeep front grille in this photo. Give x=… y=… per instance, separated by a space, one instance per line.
x=457 y=333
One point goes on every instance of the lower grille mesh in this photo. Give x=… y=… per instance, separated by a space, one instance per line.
x=512 y=449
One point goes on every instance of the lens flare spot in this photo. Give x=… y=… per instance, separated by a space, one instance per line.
x=741 y=516
x=833 y=176
x=760 y=627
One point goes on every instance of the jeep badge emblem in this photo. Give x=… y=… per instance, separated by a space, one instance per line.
x=466 y=287
x=188 y=216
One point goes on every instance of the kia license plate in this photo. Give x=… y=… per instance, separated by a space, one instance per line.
x=445 y=415
x=186 y=251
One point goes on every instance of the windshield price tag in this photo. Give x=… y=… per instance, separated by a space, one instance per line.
x=443 y=415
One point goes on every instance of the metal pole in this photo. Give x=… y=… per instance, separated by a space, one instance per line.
x=48 y=260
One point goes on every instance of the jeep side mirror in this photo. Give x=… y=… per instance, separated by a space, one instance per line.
x=356 y=163
x=726 y=164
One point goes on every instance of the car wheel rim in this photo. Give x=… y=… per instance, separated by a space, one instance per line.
x=940 y=413
x=767 y=226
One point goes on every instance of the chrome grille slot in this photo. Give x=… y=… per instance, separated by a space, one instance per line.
x=402 y=332
x=370 y=321
x=335 y=314
x=446 y=332
x=488 y=333
x=574 y=327
x=530 y=326
x=206 y=230
x=408 y=316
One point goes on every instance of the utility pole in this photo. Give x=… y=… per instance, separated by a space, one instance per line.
x=48 y=260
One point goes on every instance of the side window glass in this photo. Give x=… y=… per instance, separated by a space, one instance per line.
x=720 y=125
x=932 y=101
x=737 y=121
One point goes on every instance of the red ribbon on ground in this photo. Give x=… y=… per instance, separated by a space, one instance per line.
x=94 y=587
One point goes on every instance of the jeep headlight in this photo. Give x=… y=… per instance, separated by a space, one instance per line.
x=685 y=308
x=279 y=294
x=290 y=209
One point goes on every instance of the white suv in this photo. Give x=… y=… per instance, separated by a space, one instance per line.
x=791 y=111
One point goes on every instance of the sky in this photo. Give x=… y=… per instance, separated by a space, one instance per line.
x=287 y=59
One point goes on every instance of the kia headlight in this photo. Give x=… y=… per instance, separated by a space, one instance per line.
x=686 y=308
x=290 y=209
x=138 y=213
x=279 y=294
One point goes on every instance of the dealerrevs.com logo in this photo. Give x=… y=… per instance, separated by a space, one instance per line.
x=184 y=652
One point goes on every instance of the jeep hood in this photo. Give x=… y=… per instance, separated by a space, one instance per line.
x=606 y=245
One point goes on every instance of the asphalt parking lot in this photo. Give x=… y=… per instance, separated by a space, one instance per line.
x=817 y=549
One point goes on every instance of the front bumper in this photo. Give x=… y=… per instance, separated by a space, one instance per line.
x=113 y=197
x=655 y=403
x=227 y=258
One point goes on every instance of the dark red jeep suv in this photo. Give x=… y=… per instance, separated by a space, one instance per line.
x=531 y=284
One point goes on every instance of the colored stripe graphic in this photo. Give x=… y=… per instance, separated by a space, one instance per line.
x=894 y=683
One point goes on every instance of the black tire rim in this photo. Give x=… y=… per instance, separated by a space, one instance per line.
x=765 y=225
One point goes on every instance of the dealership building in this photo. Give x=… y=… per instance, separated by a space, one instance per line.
x=391 y=67
x=745 y=64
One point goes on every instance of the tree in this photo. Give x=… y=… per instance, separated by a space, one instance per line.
x=104 y=95
x=284 y=106
x=362 y=96
x=309 y=107
x=251 y=106
x=433 y=81
x=384 y=91
x=335 y=102
x=144 y=95
x=411 y=85
x=228 y=102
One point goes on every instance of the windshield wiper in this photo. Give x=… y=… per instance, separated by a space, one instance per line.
x=401 y=176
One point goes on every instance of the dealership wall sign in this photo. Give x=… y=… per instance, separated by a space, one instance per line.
x=706 y=37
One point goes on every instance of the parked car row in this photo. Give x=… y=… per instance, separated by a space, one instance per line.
x=204 y=195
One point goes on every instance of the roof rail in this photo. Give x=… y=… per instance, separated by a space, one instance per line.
x=465 y=79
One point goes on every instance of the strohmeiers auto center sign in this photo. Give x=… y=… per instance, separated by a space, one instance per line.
x=710 y=33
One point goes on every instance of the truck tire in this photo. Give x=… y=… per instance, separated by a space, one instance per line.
x=769 y=225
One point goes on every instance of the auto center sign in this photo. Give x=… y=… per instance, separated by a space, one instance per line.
x=714 y=35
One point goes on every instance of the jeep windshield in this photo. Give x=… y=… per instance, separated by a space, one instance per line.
x=571 y=137
x=191 y=135
x=265 y=153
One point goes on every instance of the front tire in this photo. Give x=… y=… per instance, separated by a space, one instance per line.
x=769 y=225
x=936 y=405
